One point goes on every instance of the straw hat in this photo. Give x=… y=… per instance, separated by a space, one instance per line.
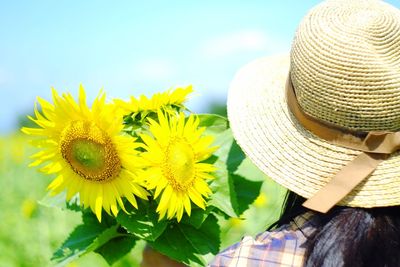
x=345 y=69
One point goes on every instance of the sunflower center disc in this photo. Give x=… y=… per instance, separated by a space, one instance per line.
x=88 y=154
x=180 y=163
x=90 y=151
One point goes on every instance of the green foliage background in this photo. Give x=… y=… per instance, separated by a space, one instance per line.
x=30 y=233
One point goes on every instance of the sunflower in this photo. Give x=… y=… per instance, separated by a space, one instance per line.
x=85 y=149
x=175 y=151
x=167 y=101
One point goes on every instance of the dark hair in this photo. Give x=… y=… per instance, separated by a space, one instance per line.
x=349 y=237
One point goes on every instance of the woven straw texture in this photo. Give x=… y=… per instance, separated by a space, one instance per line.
x=345 y=67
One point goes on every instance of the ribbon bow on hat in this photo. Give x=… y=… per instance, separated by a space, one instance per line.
x=376 y=147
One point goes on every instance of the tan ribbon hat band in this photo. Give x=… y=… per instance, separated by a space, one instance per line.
x=376 y=147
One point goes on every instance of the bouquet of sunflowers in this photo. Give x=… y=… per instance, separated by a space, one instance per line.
x=146 y=169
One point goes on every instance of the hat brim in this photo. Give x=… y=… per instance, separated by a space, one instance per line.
x=288 y=153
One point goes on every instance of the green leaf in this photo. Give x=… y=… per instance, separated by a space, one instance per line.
x=228 y=158
x=174 y=245
x=237 y=182
x=128 y=118
x=58 y=201
x=78 y=242
x=86 y=237
x=143 y=222
x=104 y=237
x=224 y=141
x=221 y=198
x=235 y=157
x=189 y=245
x=214 y=123
x=204 y=239
x=233 y=193
x=244 y=192
x=248 y=170
x=116 y=248
x=94 y=236
x=197 y=217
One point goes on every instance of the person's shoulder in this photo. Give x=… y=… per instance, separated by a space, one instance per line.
x=281 y=247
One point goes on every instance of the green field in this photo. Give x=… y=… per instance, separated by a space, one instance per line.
x=29 y=232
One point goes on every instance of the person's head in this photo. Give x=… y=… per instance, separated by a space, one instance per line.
x=324 y=122
x=347 y=236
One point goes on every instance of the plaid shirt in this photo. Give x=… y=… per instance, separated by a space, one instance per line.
x=281 y=247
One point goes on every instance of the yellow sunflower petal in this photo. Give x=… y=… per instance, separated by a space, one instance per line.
x=196 y=198
x=162 y=183
x=159 y=101
x=173 y=203
x=179 y=209
x=99 y=202
x=165 y=199
x=56 y=182
x=186 y=204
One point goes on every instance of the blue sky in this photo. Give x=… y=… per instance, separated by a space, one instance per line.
x=134 y=47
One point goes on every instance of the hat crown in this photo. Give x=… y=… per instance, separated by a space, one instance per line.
x=345 y=64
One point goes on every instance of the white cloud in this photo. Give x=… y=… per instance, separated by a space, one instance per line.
x=234 y=43
x=154 y=69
